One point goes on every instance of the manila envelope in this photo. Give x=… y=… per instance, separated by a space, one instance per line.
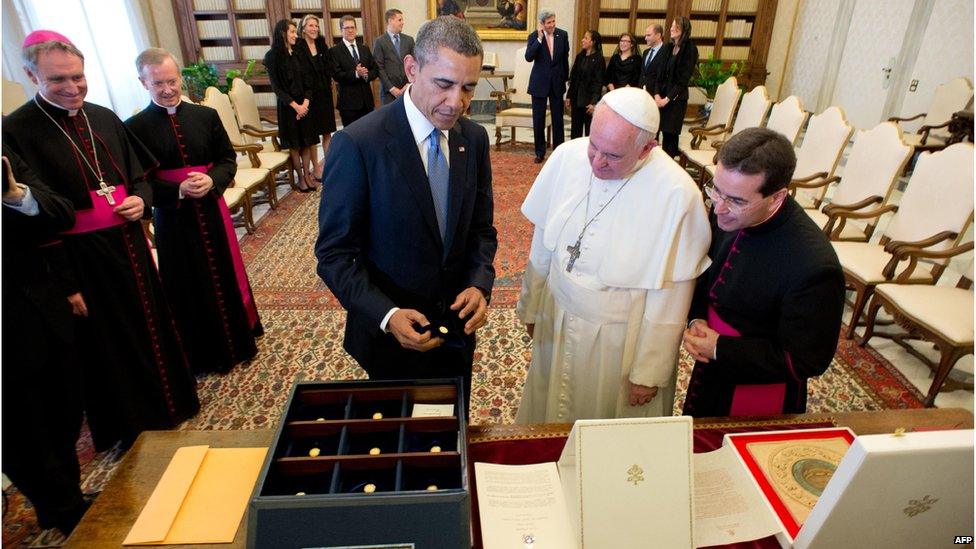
x=200 y=498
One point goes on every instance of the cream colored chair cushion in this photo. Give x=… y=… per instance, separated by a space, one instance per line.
x=233 y=196
x=269 y=160
x=947 y=311
x=753 y=110
x=702 y=157
x=866 y=262
x=250 y=178
x=722 y=113
x=915 y=140
x=787 y=117
x=518 y=116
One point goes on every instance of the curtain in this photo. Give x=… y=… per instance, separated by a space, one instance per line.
x=110 y=33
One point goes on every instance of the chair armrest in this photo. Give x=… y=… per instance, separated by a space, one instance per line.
x=897 y=119
x=269 y=120
x=258 y=132
x=834 y=207
x=807 y=184
x=839 y=218
x=892 y=246
x=817 y=175
x=717 y=145
x=914 y=253
x=924 y=130
x=717 y=129
x=699 y=120
x=252 y=151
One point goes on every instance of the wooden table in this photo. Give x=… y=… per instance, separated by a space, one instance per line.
x=504 y=75
x=114 y=512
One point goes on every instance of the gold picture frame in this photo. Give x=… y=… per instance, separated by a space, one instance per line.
x=492 y=19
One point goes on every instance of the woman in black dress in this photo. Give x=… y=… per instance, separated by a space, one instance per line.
x=321 y=109
x=585 y=83
x=625 y=66
x=291 y=79
x=682 y=58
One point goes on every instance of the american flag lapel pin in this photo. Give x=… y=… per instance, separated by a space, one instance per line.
x=460 y=149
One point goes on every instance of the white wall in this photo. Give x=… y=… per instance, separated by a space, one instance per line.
x=779 y=47
x=807 y=64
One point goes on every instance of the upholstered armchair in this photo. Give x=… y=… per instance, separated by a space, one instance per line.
x=873 y=166
x=513 y=106
x=949 y=97
x=817 y=158
x=751 y=114
x=934 y=211
x=939 y=315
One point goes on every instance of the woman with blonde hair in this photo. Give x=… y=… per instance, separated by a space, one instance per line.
x=321 y=109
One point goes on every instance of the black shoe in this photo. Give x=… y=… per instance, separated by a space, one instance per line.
x=538 y=160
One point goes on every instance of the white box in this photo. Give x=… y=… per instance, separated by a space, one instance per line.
x=913 y=490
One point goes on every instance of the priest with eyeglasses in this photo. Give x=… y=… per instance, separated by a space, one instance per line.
x=134 y=373
x=766 y=315
x=620 y=237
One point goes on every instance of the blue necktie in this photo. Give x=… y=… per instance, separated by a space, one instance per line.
x=396 y=43
x=439 y=177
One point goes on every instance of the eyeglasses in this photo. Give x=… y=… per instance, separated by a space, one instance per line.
x=735 y=205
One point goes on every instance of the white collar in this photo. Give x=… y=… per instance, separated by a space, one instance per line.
x=71 y=112
x=420 y=126
x=349 y=44
x=169 y=110
x=392 y=34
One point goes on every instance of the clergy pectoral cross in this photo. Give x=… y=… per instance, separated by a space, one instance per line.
x=106 y=191
x=574 y=253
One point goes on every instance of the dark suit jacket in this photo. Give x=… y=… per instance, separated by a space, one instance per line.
x=677 y=72
x=354 y=93
x=586 y=79
x=379 y=245
x=389 y=63
x=549 y=73
x=35 y=306
x=650 y=74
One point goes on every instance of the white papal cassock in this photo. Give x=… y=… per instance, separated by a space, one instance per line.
x=619 y=314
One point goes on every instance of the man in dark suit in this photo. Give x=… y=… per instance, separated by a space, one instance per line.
x=548 y=50
x=389 y=50
x=42 y=406
x=406 y=238
x=355 y=69
x=654 y=62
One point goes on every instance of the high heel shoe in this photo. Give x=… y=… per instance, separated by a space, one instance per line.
x=310 y=183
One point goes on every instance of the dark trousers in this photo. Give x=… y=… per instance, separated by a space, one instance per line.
x=579 y=122
x=42 y=413
x=556 y=107
x=350 y=116
x=669 y=142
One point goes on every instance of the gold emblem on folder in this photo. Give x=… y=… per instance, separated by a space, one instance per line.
x=636 y=474
x=919 y=506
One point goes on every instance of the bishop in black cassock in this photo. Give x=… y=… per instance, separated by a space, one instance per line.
x=199 y=258
x=135 y=375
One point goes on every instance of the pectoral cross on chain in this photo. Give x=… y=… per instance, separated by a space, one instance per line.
x=106 y=191
x=574 y=253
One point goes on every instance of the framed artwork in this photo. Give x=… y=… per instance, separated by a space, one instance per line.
x=492 y=19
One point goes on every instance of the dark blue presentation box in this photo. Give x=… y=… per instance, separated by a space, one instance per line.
x=352 y=467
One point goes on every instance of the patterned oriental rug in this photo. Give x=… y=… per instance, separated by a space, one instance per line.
x=303 y=341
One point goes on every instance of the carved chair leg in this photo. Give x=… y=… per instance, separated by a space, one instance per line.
x=860 y=300
x=273 y=190
x=949 y=357
x=498 y=137
x=869 y=321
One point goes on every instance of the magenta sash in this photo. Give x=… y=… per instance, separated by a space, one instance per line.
x=749 y=400
x=179 y=175
x=102 y=215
